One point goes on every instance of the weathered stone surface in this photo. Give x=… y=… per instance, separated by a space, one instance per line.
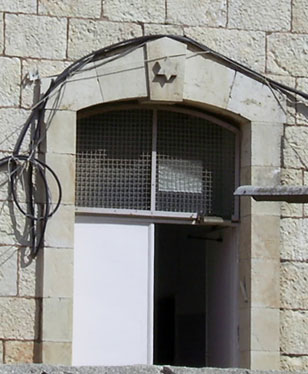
x=262 y=360
x=291 y=177
x=294 y=363
x=22 y=6
x=294 y=285
x=1 y=352
x=301 y=105
x=265 y=329
x=154 y=29
x=69 y=8
x=197 y=12
x=57 y=353
x=60 y=228
x=86 y=36
x=265 y=288
x=286 y=54
x=295 y=152
x=19 y=352
x=8 y=270
x=137 y=10
x=299 y=16
x=275 y=16
x=293 y=332
x=45 y=68
x=30 y=274
x=294 y=239
x=10 y=81
x=57 y=319
x=291 y=210
x=19 y=318
x=58 y=272
x=31 y=36
x=12 y=121
x=247 y=47
x=13 y=228
x=1 y=33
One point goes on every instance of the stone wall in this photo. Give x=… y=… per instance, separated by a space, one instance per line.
x=47 y=35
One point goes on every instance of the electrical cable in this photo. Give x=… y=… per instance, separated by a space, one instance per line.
x=39 y=213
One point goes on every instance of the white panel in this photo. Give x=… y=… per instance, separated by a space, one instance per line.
x=112 y=291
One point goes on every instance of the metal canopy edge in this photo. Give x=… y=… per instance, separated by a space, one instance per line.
x=290 y=194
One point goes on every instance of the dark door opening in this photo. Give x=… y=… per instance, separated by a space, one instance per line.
x=195 y=296
x=180 y=296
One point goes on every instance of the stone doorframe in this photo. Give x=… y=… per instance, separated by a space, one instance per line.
x=195 y=79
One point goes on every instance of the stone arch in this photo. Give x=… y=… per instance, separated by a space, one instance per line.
x=169 y=71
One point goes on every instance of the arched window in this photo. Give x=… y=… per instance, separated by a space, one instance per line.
x=157 y=161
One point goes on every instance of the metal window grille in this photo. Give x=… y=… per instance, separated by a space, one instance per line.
x=155 y=160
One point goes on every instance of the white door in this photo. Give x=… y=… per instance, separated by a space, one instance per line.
x=113 y=293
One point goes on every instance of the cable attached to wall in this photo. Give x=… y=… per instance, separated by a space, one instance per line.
x=30 y=167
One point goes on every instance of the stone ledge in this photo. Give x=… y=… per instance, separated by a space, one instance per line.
x=134 y=369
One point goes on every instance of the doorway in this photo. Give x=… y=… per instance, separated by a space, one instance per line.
x=154 y=293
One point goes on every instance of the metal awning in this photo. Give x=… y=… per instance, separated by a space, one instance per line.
x=290 y=194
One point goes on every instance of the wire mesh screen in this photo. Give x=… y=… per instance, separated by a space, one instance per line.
x=113 y=161
x=195 y=165
x=194 y=170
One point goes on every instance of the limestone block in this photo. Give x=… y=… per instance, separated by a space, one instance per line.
x=60 y=228
x=8 y=270
x=294 y=285
x=255 y=16
x=19 y=318
x=61 y=132
x=70 y=8
x=244 y=333
x=286 y=55
x=265 y=283
x=166 y=69
x=295 y=152
x=265 y=175
x=265 y=360
x=266 y=143
x=1 y=352
x=291 y=210
x=246 y=146
x=247 y=47
x=64 y=167
x=57 y=319
x=10 y=81
x=136 y=11
x=22 y=6
x=58 y=272
x=202 y=77
x=265 y=329
x=299 y=16
x=57 y=353
x=14 y=230
x=129 y=69
x=299 y=363
x=77 y=92
x=265 y=237
x=301 y=105
x=12 y=121
x=197 y=12
x=294 y=239
x=245 y=238
x=19 y=352
x=45 y=68
x=30 y=35
x=292 y=177
x=30 y=281
x=1 y=33
x=293 y=332
x=290 y=104
x=255 y=101
x=159 y=29
x=86 y=36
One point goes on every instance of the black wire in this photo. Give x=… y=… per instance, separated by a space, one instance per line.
x=35 y=122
